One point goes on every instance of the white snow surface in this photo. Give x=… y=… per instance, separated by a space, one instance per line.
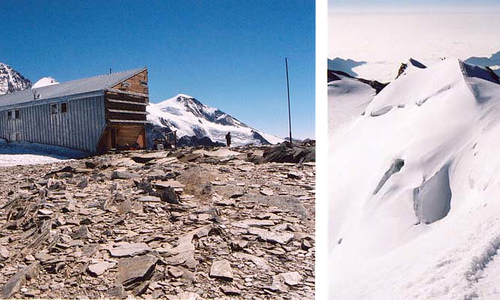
x=45 y=81
x=386 y=39
x=415 y=185
x=348 y=99
x=192 y=118
x=25 y=153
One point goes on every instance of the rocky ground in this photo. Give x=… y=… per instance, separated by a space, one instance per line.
x=188 y=224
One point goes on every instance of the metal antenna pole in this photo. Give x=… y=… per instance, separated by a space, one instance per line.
x=289 y=113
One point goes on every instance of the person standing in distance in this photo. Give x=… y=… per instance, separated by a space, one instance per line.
x=228 y=139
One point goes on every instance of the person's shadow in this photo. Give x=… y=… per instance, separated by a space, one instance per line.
x=346 y=66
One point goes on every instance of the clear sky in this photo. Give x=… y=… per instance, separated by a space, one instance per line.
x=227 y=54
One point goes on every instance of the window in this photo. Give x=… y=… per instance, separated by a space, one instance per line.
x=144 y=83
x=13 y=114
x=64 y=107
x=54 y=109
x=124 y=85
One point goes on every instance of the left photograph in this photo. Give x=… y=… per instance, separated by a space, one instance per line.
x=157 y=150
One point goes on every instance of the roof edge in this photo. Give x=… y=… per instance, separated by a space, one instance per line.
x=95 y=93
x=139 y=71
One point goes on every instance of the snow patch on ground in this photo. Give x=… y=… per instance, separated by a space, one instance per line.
x=25 y=153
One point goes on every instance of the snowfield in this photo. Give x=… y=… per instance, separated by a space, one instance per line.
x=24 y=153
x=415 y=186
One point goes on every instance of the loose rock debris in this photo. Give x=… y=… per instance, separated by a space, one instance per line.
x=175 y=225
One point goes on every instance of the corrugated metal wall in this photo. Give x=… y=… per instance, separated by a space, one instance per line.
x=79 y=128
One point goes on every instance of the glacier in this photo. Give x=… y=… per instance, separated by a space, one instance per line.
x=428 y=145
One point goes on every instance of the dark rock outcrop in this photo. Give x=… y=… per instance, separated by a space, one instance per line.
x=333 y=75
x=296 y=154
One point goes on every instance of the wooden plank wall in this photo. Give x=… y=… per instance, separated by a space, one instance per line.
x=136 y=83
x=121 y=107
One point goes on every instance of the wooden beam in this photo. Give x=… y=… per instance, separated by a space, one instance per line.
x=128 y=111
x=128 y=121
x=127 y=102
x=128 y=93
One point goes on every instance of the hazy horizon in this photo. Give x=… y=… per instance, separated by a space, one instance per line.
x=385 y=40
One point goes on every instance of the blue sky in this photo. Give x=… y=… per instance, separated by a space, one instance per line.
x=227 y=54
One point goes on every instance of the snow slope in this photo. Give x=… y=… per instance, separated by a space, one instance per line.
x=11 y=80
x=45 y=81
x=190 y=117
x=415 y=185
x=347 y=100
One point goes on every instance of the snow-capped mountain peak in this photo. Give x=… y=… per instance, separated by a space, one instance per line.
x=45 y=81
x=11 y=80
x=189 y=117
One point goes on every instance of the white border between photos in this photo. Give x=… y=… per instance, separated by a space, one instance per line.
x=321 y=270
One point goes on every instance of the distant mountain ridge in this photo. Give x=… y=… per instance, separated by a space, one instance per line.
x=45 y=81
x=11 y=80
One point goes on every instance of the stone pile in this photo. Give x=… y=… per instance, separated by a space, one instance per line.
x=189 y=224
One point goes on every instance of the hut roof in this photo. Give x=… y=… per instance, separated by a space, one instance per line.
x=74 y=87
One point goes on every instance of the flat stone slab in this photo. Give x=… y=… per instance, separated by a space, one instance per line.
x=272 y=236
x=166 y=161
x=45 y=212
x=267 y=192
x=221 y=269
x=175 y=272
x=169 y=183
x=230 y=291
x=185 y=296
x=131 y=249
x=98 y=268
x=133 y=271
x=13 y=285
x=258 y=261
x=144 y=158
x=124 y=175
x=291 y=278
x=150 y=199
x=253 y=223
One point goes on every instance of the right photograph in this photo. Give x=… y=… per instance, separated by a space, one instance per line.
x=414 y=150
